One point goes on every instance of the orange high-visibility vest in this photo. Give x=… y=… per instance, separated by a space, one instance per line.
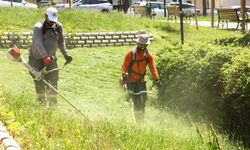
x=137 y=69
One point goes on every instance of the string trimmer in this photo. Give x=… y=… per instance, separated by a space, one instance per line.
x=15 y=55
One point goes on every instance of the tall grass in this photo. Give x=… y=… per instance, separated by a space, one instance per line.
x=35 y=127
x=23 y=19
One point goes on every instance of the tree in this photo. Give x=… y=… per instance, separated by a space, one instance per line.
x=204 y=7
x=243 y=12
x=125 y=5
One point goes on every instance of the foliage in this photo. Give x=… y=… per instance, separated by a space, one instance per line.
x=209 y=81
x=75 y=20
x=81 y=21
x=235 y=41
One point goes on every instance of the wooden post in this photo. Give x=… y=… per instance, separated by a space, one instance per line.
x=70 y=4
x=165 y=11
x=212 y=13
x=195 y=14
x=204 y=7
x=181 y=22
x=243 y=14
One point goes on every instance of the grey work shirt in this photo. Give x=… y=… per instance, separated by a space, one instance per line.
x=46 y=41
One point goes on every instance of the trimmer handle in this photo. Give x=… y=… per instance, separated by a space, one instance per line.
x=125 y=77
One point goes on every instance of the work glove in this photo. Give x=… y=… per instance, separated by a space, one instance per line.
x=125 y=76
x=68 y=59
x=47 y=60
x=121 y=82
x=158 y=83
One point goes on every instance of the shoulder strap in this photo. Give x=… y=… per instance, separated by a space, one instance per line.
x=133 y=58
x=147 y=56
x=132 y=61
x=57 y=28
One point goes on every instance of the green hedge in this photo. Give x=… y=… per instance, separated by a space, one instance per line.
x=234 y=41
x=207 y=80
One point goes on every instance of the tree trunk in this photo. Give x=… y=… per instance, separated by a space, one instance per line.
x=243 y=14
x=204 y=7
x=125 y=5
x=212 y=12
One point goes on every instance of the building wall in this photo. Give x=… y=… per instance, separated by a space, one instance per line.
x=199 y=4
x=220 y=3
x=60 y=1
x=228 y=3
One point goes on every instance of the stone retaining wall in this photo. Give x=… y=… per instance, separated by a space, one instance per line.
x=73 y=40
x=6 y=141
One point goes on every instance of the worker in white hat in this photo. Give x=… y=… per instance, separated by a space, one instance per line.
x=47 y=38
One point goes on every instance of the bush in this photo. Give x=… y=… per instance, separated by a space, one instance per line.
x=242 y=41
x=206 y=80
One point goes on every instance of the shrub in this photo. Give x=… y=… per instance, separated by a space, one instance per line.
x=209 y=81
x=233 y=41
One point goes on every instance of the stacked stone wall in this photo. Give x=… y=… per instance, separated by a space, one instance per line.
x=6 y=140
x=73 y=40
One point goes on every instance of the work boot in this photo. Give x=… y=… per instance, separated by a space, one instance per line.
x=52 y=102
x=42 y=101
x=52 y=97
x=139 y=117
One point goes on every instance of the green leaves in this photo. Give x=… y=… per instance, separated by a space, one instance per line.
x=193 y=75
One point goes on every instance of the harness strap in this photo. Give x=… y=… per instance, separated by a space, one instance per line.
x=141 y=60
x=56 y=28
x=133 y=60
x=139 y=74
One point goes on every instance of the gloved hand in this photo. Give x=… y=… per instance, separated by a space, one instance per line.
x=158 y=83
x=121 y=82
x=68 y=59
x=125 y=76
x=47 y=60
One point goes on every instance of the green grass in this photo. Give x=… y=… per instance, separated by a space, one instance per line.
x=21 y=19
x=38 y=128
x=207 y=18
x=91 y=84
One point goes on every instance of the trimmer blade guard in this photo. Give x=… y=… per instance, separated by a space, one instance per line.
x=14 y=53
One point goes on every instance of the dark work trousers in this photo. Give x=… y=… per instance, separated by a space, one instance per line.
x=138 y=100
x=44 y=92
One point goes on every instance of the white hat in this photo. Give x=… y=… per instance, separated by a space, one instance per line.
x=143 y=39
x=52 y=14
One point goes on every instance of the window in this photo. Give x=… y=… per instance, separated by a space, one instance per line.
x=186 y=6
x=98 y=1
x=152 y=5
x=16 y=1
x=85 y=2
x=161 y=6
x=101 y=1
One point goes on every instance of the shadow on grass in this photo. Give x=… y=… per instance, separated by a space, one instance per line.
x=243 y=41
x=168 y=28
